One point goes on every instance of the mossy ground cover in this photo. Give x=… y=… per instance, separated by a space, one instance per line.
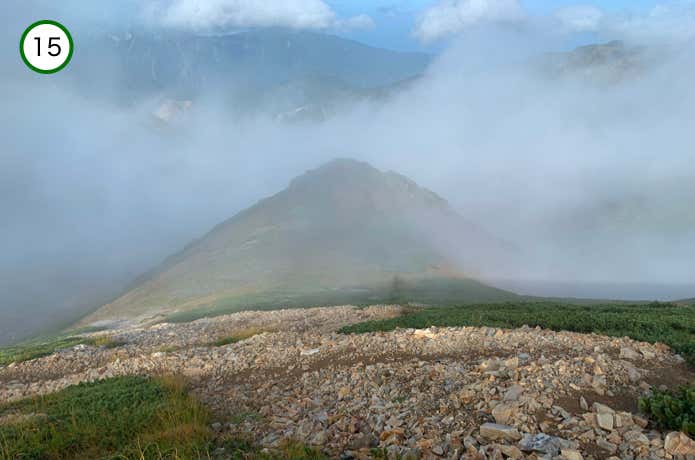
x=124 y=418
x=671 y=324
x=238 y=336
x=40 y=347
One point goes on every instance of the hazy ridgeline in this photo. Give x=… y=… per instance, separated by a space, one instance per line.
x=586 y=169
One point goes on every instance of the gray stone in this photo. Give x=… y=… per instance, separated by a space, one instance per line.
x=605 y=421
x=629 y=353
x=543 y=443
x=607 y=446
x=513 y=393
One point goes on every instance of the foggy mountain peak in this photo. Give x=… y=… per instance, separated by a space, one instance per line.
x=602 y=63
x=358 y=179
x=342 y=226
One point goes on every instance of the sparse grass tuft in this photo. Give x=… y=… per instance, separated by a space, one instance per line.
x=225 y=341
x=107 y=341
x=244 y=417
x=238 y=336
x=292 y=450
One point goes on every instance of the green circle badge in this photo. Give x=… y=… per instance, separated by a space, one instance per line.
x=46 y=47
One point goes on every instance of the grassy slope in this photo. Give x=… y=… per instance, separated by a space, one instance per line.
x=340 y=226
x=48 y=345
x=123 y=418
x=434 y=291
x=39 y=347
x=128 y=417
x=667 y=323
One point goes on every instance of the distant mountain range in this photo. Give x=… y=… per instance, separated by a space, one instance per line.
x=242 y=69
x=342 y=231
x=290 y=75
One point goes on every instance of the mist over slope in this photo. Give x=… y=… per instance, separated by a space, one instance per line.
x=590 y=178
x=342 y=226
x=105 y=194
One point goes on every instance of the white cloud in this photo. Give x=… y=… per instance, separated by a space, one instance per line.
x=206 y=15
x=667 y=22
x=450 y=17
x=580 y=18
x=361 y=21
x=670 y=22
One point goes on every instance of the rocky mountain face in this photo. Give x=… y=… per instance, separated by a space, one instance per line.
x=343 y=226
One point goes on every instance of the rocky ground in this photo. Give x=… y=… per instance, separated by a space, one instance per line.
x=479 y=393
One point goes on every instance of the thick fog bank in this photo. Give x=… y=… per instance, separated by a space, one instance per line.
x=592 y=179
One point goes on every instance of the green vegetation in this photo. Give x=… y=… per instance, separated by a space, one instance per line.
x=224 y=341
x=430 y=291
x=123 y=418
x=671 y=324
x=238 y=336
x=107 y=341
x=672 y=410
x=38 y=348
x=291 y=450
